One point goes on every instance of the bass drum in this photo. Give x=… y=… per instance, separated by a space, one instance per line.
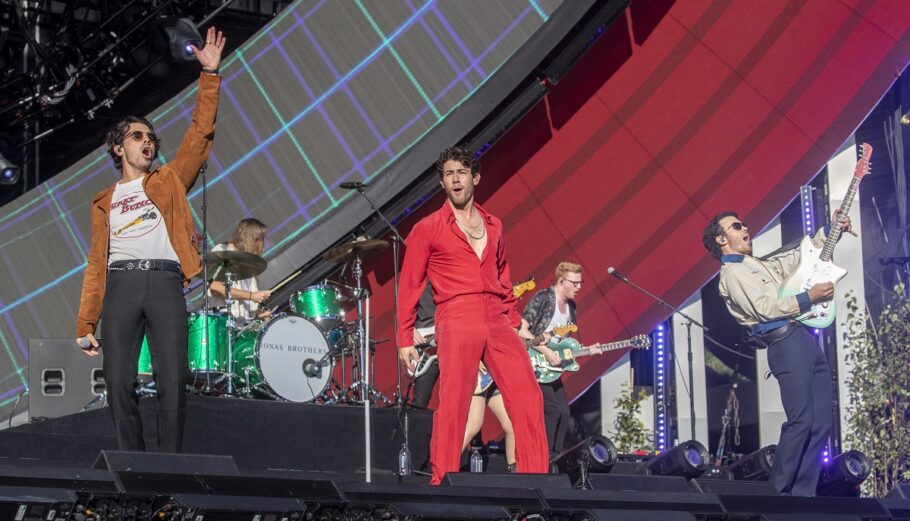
x=286 y=358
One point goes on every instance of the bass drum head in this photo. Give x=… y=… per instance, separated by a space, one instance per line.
x=292 y=358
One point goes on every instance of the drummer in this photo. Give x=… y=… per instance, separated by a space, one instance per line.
x=249 y=237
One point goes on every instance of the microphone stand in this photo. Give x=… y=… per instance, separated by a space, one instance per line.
x=396 y=242
x=689 y=322
x=207 y=389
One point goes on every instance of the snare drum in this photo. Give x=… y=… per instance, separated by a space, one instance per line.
x=319 y=303
x=287 y=357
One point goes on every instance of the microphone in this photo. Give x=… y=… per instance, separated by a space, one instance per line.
x=311 y=369
x=353 y=185
x=612 y=271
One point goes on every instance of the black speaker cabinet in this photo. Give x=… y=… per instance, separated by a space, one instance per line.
x=61 y=378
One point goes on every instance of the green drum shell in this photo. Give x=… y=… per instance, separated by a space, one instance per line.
x=217 y=339
x=195 y=348
x=145 y=358
x=245 y=353
x=316 y=302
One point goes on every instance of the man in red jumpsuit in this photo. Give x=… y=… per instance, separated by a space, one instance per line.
x=461 y=248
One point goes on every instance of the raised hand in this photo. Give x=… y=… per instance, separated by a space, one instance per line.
x=210 y=55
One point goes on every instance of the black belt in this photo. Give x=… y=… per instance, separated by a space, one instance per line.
x=145 y=265
x=778 y=334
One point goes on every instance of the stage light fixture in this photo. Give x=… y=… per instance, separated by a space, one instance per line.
x=845 y=473
x=9 y=172
x=688 y=459
x=182 y=35
x=754 y=467
x=592 y=454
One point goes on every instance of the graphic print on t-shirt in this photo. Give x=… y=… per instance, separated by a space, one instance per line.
x=133 y=215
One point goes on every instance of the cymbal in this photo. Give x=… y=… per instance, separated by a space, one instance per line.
x=356 y=249
x=240 y=264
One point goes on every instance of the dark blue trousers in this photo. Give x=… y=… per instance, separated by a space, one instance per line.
x=802 y=372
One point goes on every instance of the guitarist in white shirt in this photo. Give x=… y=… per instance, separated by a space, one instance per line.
x=750 y=289
x=548 y=308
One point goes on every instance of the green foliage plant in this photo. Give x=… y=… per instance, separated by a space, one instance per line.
x=878 y=412
x=630 y=433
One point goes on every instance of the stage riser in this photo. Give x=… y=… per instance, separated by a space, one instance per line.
x=259 y=434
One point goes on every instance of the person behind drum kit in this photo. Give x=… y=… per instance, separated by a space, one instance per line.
x=547 y=309
x=143 y=252
x=460 y=248
x=249 y=237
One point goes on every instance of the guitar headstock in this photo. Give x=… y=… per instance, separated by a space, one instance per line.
x=523 y=287
x=640 y=342
x=565 y=330
x=863 y=165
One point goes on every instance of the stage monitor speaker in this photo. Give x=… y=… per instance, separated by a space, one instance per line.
x=734 y=488
x=639 y=483
x=166 y=463
x=506 y=480
x=61 y=379
x=163 y=473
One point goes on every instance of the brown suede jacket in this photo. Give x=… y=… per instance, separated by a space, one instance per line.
x=167 y=187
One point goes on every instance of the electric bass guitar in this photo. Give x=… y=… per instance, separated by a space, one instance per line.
x=426 y=359
x=568 y=349
x=815 y=264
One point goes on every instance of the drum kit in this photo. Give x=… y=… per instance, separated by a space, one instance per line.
x=289 y=356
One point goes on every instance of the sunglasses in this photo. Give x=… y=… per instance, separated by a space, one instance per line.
x=139 y=135
x=736 y=226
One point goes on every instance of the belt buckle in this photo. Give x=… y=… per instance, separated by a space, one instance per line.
x=145 y=264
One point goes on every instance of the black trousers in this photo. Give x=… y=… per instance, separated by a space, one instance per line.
x=424 y=384
x=557 y=417
x=151 y=302
x=802 y=372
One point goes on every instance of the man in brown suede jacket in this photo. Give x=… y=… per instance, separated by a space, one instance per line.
x=143 y=253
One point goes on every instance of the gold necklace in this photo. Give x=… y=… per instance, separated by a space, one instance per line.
x=466 y=232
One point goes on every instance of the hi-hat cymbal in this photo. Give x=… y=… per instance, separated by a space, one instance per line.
x=240 y=264
x=355 y=249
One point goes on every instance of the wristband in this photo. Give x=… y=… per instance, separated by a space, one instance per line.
x=210 y=71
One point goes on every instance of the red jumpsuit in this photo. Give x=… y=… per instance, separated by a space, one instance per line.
x=475 y=320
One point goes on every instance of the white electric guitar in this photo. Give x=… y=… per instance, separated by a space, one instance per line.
x=815 y=264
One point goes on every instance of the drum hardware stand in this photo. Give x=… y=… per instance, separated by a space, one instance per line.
x=229 y=325
x=101 y=398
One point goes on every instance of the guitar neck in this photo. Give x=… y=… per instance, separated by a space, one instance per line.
x=835 y=233
x=612 y=346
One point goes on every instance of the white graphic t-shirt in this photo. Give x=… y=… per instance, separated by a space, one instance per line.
x=137 y=228
x=558 y=318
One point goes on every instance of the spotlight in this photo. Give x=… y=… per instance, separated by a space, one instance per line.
x=754 y=467
x=843 y=476
x=182 y=35
x=9 y=172
x=688 y=459
x=593 y=454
